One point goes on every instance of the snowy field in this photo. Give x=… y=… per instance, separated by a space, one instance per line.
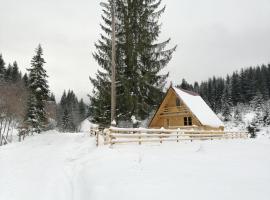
x=56 y=166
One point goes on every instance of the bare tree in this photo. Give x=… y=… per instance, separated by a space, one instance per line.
x=12 y=109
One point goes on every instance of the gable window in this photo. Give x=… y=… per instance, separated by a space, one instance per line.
x=188 y=121
x=177 y=102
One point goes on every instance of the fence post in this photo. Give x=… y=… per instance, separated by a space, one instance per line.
x=140 y=138
x=160 y=138
x=97 y=138
x=109 y=138
x=177 y=132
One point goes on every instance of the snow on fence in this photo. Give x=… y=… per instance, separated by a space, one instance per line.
x=141 y=135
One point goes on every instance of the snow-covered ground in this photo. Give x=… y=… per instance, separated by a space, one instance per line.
x=86 y=125
x=54 y=166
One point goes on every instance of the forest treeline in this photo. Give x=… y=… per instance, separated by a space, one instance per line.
x=248 y=86
x=13 y=98
x=240 y=87
x=27 y=104
x=70 y=112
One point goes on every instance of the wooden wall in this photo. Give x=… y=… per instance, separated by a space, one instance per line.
x=171 y=116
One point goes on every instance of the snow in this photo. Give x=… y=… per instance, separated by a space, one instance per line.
x=134 y=120
x=113 y=123
x=248 y=117
x=199 y=108
x=38 y=89
x=86 y=125
x=67 y=166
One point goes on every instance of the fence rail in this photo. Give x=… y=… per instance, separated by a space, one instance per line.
x=141 y=135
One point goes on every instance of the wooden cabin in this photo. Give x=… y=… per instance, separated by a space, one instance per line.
x=185 y=109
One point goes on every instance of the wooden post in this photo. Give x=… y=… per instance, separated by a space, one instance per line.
x=140 y=142
x=160 y=138
x=177 y=132
x=97 y=138
x=109 y=138
x=113 y=84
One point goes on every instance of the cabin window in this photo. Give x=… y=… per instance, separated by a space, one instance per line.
x=188 y=121
x=168 y=122
x=177 y=102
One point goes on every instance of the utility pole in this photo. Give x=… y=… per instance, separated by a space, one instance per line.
x=113 y=85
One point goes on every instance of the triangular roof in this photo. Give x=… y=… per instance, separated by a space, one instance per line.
x=199 y=108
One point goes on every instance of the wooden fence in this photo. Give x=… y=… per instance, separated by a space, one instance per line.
x=140 y=135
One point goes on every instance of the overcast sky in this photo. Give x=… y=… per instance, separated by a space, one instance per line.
x=214 y=37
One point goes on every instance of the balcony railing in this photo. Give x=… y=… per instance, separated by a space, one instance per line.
x=175 y=109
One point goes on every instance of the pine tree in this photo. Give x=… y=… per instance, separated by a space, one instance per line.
x=247 y=85
x=39 y=88
x=226 y=103
x=2 y=69
x=257 y=104
x=185 y=85
x=266 y=117
x=66 y=121
x=220 y=85
x=263 y=76
x=25 y=80
x=139 y=61
x=15 y=74
x=8 y=73
x=32 y=115
x=196 y=87
x=82 y=110
x=267 y=75
x=235 y=88
x=257 y=101
x=52 y=97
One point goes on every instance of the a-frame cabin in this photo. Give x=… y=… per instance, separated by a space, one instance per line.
x=184 y=109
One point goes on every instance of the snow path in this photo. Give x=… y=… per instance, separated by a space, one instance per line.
x=42 y=167
x=55 y=166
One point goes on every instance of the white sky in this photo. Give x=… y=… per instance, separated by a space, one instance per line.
x=214 y=37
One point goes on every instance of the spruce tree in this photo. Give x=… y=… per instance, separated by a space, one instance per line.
x=32 y=115
x=8 y=73
x=257 y=104
x=82 y=110
x=39 y=88
x=2 y=69
x=15 y=74
x=266 y=117
x=237 y=114
x=67 y=124
x=52 y=97
x=140 y=58
x=226 y=103
x=196 y=87
x=25 y=80
x=235 y=88
x=263 y=77
x=185 y=85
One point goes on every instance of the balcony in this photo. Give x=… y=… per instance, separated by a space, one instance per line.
x=175 y=110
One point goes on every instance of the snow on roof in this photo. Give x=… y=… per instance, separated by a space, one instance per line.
x=199 y=108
